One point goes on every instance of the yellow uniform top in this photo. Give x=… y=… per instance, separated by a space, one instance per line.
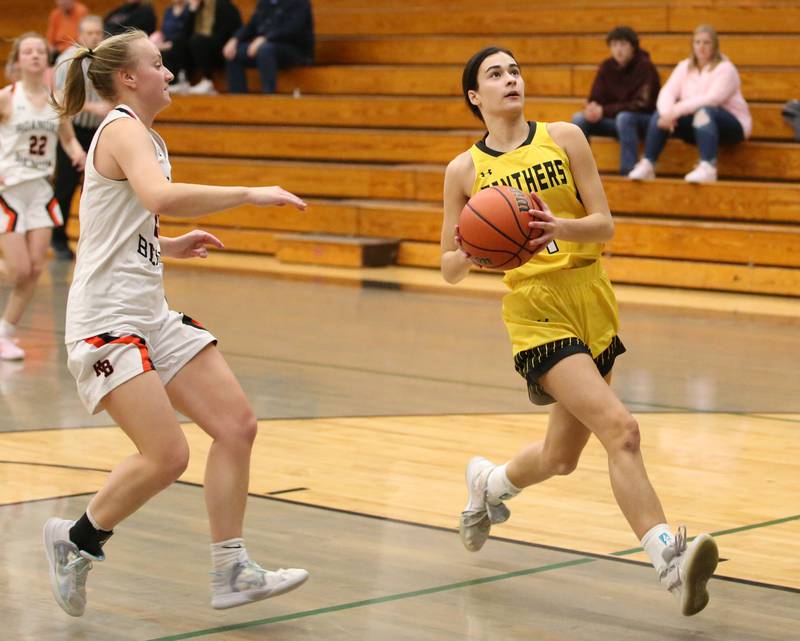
x=537 y=165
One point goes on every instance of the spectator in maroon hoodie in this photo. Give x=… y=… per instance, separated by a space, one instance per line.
x=623 y=96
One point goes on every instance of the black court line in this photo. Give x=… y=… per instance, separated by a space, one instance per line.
x=291 y=489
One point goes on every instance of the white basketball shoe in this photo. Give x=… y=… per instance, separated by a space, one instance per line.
x=246 y=581
x=68 y=566
x=688 y=569
x=479 y=515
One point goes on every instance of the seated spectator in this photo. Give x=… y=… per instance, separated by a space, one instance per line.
x=701 y=103
x=623 y=96
x=170 y=40
x=134 y=14
x=279 y=34
x=212 y=24
x=62 y=25
x=197 y=49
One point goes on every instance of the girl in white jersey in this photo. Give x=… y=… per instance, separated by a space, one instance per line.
x=29 y=132
x=124 y=344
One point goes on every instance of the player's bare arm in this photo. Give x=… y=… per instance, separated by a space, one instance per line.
x=458 y=179
x=66 y=136
x=125 y=151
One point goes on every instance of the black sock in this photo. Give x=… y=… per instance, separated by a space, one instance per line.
x=87 y=538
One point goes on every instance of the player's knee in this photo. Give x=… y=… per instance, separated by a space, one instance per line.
x=247 y=428
x=19 y=275
x=172 y=464
x=241 y=427
x=627 y=431
x=564 y=466
x=35 y=272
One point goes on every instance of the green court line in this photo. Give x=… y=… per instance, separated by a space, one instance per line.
x=377 y=600
x=733 y=530
x=440 y=588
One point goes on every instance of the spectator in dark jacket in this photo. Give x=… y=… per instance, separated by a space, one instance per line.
x=279 y=34
x=134 y=14
x=623 y=96
x=171 y=41
x=191 y=38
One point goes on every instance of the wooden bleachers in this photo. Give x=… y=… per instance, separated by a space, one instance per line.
x=385 y=97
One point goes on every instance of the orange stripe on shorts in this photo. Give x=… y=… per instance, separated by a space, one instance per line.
x=147 y=363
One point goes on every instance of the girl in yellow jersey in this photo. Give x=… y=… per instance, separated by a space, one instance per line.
x=561 y=316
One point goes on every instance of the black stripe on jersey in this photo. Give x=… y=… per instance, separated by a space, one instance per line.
x=481 y=144
x=126 y=112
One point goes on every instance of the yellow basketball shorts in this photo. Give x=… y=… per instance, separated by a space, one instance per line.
x=558 y=314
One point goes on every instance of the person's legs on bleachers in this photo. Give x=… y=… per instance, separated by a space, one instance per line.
x=272 y=56
x=206 y=55
x=628 y=125
x=712 y=126
x=235 y=69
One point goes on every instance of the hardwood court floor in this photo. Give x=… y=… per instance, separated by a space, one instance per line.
x=371 y=402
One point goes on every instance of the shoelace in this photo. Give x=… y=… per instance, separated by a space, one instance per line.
x=81 y=567
x=671 y=574
x=77 y=564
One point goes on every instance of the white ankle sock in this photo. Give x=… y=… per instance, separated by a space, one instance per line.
x=7 y=329
x=498 y=487
x=225 y=553
x=655 y=541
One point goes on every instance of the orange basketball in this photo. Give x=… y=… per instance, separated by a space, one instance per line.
x=493 y=227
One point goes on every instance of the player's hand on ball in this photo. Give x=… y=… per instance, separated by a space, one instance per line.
x=274 y=196
x=460 y=248
x=543 y=220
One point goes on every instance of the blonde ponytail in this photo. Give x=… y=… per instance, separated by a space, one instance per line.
x=105 y=60
x=74 y=86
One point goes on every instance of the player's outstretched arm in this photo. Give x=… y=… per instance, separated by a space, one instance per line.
x=131 y=152
x=455 y=263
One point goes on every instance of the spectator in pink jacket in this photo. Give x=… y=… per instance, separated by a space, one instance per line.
x=701 y=103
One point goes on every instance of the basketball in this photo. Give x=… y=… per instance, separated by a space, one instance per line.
x=493 y=227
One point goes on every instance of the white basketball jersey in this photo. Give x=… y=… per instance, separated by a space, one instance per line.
x=28 y=140
x=118 y=280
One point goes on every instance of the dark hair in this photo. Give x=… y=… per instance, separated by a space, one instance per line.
x=469 y=78
x=623 y=33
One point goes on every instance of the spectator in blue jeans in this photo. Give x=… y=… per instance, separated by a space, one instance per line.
x=279 y=34
x=623 y=96
x=701 y=103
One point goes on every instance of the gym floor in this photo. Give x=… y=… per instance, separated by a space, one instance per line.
x=371 y=399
